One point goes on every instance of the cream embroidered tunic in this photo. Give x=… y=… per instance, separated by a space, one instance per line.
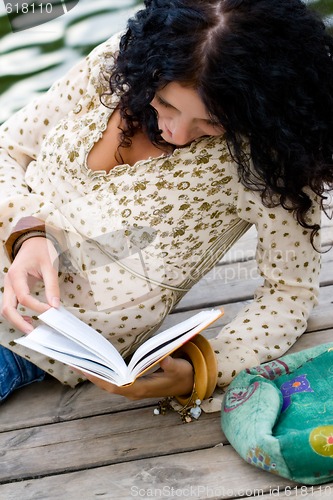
x=173 y=218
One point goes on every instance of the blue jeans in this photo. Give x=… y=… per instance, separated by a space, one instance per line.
x=15 y=372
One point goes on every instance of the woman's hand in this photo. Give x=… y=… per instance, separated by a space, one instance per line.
x=37 y=260
x=176 y=378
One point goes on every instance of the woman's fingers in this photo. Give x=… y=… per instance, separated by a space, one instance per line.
x=34 y=262
x=9 y=308
x=174 y=379
x=51 y=284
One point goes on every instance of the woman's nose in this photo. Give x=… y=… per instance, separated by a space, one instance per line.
x=181 y=131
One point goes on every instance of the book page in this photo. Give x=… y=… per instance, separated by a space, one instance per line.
x=73 y=328
x=163 y=344
x=49 y=338
x=74 y=358
x=67 y=339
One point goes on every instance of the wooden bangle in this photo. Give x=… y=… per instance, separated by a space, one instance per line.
x=202 y=357
x=211 y=362
x=193 y=353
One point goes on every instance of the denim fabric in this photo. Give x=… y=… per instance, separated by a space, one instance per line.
x=15 y=372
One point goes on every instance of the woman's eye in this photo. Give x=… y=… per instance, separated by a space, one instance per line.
x=162 y=102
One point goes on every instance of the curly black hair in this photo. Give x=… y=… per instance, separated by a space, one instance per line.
x=264 y=70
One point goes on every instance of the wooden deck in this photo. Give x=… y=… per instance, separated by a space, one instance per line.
x=60 y=443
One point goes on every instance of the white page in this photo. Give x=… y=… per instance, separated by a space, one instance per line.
x=49 y=338
x=82 y=341
x=196 y=323
x=79 y=363
x=192 y=326
x=72 y=327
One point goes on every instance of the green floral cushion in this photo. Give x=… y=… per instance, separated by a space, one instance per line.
x=279 y=416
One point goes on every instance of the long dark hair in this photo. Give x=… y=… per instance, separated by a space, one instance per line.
x=264 y=70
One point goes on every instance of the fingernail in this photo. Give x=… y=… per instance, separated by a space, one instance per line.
x=55 y=302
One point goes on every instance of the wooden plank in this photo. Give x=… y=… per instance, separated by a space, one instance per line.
x=213 y=473
x=50 y=402
x=177 y=471
x=120 y=444
x=312 y=339
x=228 y=283
x=114 y=438
x=101 y=440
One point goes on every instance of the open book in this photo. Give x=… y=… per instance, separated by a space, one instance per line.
x=67 y=339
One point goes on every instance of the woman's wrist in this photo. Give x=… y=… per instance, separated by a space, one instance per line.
x=32 y=227
x=29 y=235
x=24 y=226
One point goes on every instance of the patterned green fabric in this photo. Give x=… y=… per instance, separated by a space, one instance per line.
x=279 y=416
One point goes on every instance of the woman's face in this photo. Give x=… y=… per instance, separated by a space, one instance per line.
x=182 y=116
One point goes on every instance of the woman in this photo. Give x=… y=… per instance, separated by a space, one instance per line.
x=204 y=118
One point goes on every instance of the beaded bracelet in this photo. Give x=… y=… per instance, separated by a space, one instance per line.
x=187 y=412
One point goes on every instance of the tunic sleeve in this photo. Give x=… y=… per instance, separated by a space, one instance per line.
x=277 y=317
